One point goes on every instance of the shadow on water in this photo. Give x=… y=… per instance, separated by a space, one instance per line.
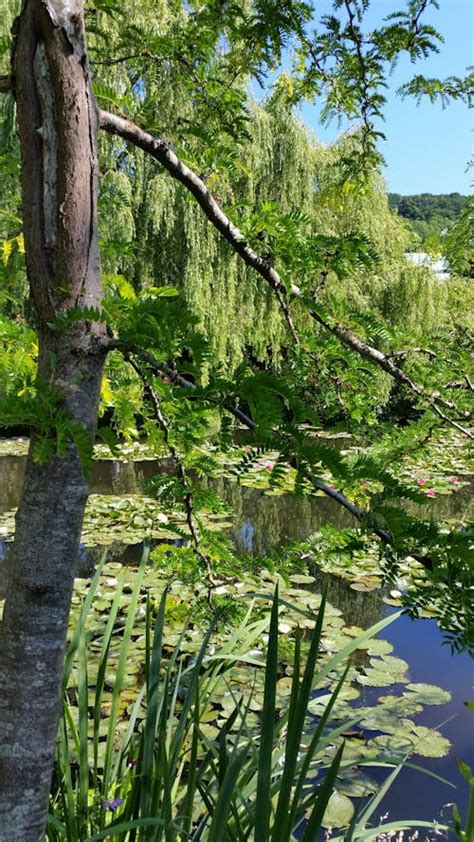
x=262 y=522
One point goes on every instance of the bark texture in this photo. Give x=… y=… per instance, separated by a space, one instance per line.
x=58 y=122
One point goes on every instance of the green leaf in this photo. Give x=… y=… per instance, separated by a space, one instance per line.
x=339 y=811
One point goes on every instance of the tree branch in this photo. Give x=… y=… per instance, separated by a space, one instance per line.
x=181 y=471
x=162 y=152
x=406 y=351
x=163 y=369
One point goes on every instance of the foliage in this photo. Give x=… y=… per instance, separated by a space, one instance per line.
x=460 y=243
x=466 y=832
x=428 y=206
x=440 y=224
x=197 y=341
x=164 y=772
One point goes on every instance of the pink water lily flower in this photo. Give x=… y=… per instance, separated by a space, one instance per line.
x=267 y=466
x=430 y=492
x=422 y=480
x=453 y=480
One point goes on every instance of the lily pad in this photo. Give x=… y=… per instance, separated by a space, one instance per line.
x=339 y=811
x=376 y=678
x=427 y=694
x=356 y=784
x=415 y=739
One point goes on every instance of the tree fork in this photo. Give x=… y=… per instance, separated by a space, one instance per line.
x=58 y=121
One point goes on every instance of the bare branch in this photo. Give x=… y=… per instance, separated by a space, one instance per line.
x=123 y=59
x=162 y=152
x=404 y=353
x=451 y=421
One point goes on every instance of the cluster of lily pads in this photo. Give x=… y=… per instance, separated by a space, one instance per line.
x=443 y=467
x=123 y=451
x=373 y=665
x=14 y=446
x=129 y=519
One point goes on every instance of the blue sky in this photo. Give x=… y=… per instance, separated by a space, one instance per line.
x=427 y=148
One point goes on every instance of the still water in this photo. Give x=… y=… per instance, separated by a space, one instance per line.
x=262 y=522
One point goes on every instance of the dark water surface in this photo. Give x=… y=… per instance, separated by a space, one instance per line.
x=262 y=522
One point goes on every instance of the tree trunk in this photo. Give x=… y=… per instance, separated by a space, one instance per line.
x=58 y=123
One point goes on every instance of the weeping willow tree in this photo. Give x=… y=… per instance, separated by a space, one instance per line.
x=164 y=239
x=251 y=156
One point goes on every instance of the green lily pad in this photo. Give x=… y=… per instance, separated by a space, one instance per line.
x=300 y=579
x=356 y=784
x=376 y=678
x=395 y=666
x=404 y=705
x=414 y=739
x=427 y=694
x=379 y=647
x=339 y=811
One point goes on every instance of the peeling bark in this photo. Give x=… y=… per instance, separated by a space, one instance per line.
x=58 y=123
x=49 y=137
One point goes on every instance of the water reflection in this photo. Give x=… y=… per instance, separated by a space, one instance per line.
x=260 y=521
x=265 y=521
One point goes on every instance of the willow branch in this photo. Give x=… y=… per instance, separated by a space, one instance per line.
x=162 y=152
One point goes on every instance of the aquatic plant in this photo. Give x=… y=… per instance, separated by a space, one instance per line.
x=144 y=763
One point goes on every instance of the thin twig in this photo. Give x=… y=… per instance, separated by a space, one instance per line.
x=181 y=471
x=404 y=352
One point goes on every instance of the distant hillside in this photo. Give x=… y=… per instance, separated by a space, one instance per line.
x=426 y=207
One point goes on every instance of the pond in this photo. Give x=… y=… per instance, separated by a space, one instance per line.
x=263 y=521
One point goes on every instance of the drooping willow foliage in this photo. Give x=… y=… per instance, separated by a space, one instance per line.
x=165 y=239
x=185 y=76
x=251 y=156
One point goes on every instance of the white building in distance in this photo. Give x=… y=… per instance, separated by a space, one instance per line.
x=437 y=265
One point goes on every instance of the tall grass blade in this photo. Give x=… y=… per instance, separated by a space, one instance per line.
x=123 y=828
x=324 y=794
x=81 y=621
x=120 y=672
x=83 y=709
x=296 y=719
x=218 y=829
x=99 y=688
x=311 y=752
x=150 y=725
x=263 y=802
